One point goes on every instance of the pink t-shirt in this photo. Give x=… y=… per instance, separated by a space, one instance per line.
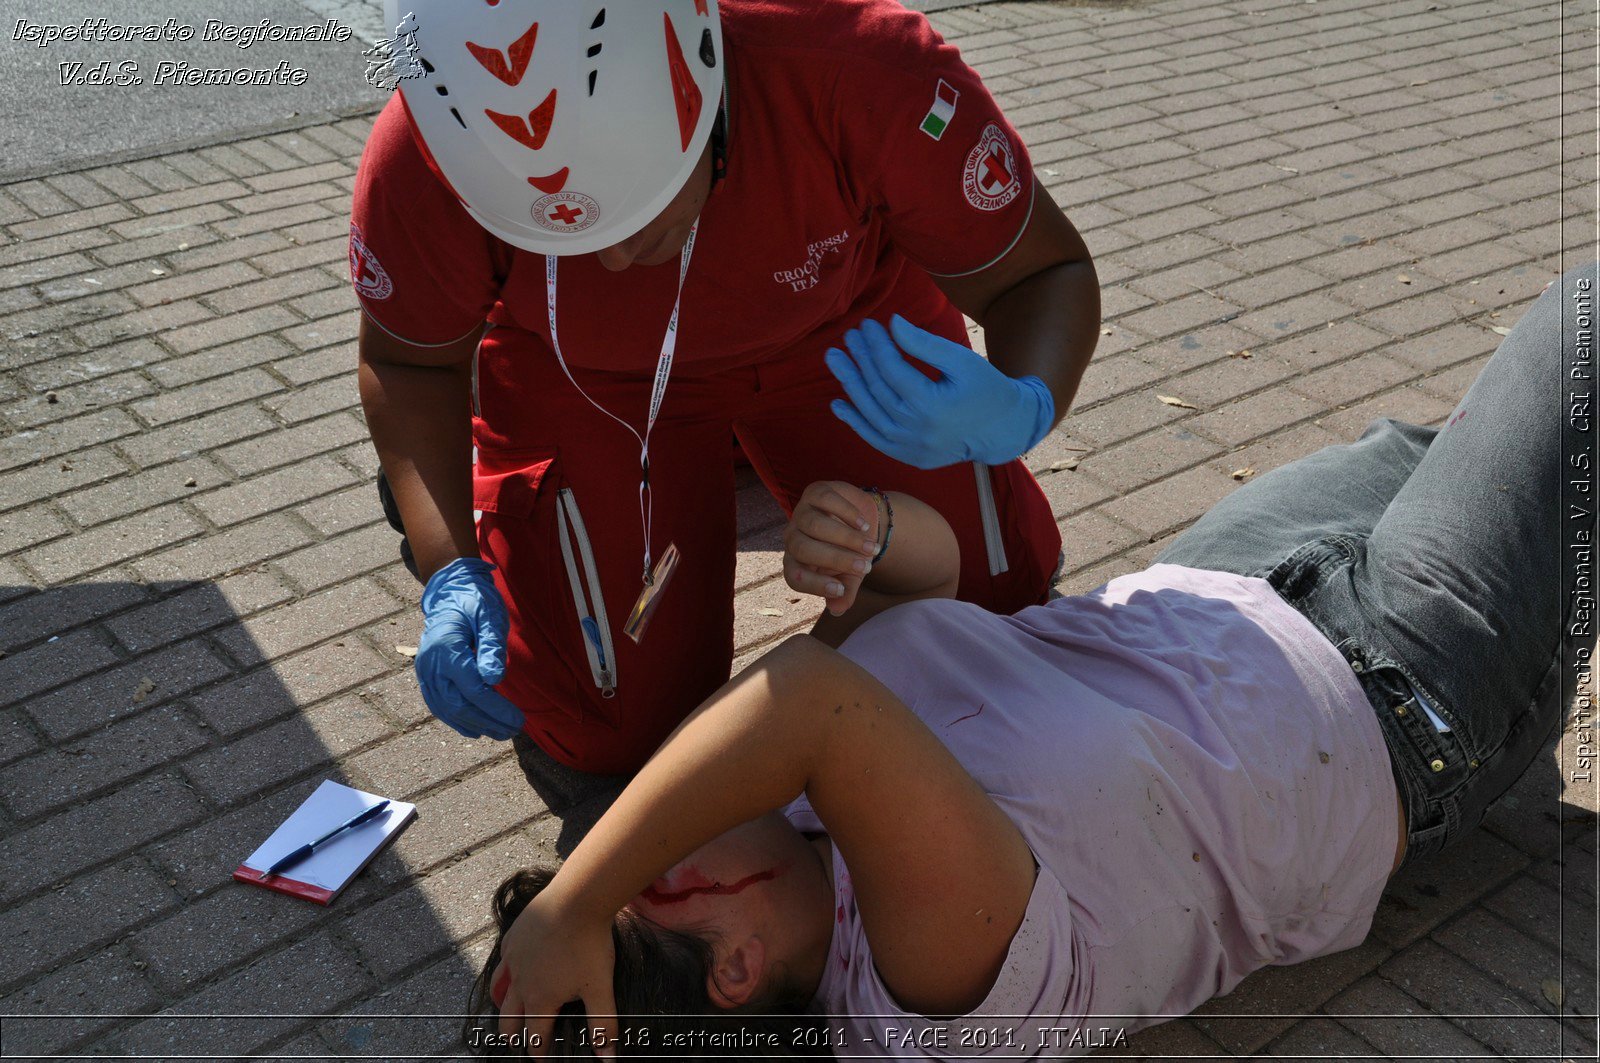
x=1199 y=775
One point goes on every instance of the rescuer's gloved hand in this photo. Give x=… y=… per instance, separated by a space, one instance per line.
x=973 y=412
x=462 y=654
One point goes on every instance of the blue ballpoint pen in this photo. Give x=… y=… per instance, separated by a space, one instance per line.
x=307 y=849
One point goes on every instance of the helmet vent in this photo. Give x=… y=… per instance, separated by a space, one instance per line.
x=425 y=64
x=457 y=116
x=708 y=51
x=594 y=49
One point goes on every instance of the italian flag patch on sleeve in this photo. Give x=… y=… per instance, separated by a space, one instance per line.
x=943 y=109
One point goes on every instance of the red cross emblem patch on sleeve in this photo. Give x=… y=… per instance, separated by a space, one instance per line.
x=990 y=179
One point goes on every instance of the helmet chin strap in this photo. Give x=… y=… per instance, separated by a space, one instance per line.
x=669 y=345
x=719 y=142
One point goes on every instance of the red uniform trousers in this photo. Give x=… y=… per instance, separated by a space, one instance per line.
x=606 y=707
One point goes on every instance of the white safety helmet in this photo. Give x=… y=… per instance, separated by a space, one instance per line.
x=563 y=126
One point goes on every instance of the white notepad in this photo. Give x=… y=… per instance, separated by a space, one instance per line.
x=324 y=874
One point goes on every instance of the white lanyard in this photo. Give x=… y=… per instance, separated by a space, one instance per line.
x=669 y=344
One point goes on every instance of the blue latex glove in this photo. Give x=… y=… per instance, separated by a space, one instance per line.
x=463 y=651
x=974 y=412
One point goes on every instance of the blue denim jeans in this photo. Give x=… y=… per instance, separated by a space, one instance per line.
x=1432 y=559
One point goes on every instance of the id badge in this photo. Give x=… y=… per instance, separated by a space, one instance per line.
x=650 y=596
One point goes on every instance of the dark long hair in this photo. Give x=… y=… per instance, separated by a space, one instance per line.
x=660 y=986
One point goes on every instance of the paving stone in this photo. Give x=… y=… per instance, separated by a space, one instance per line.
x=1485 y=1009
x=271 y=290
x=1266 y=1004
x=17 y=736
x=90 y=834
x=196 y=609
x=108 y=544
x=1242 y=420
x=224 y=552
x=426 y=919
x=1521 y=962
x=190 y=283
x=1396 y=1024
x=93 y=990
x=404 y=1021
x=306 y=621
x=461 y=816
x=157 y=174
x=61 y=437
x=219 y=932
x=1316 y=1038
x=37 y=617
x=317 y=365
x=1174 y=1039
x=1149 y=457
x=1173 y=502
x=71 y=220
x=342 y=558
x=219 y=330
x=1355 y=379
x=317 y=254
x=308 y=978
x=51 y=663
x=37 y=409
x=1428 y=892
x=342 y=511
x=133 y=323
x=201 y=860
x=204 y=397
x=88 y=365
x=274 y=490
x=1406 y=403
x=307 y=742
x=1110 y=377
x=316 y=400
x=1124 y=417
x=187 y=438
x=396 y=693
x=102 y=699
x=58 y=776
x=27 y=527
x=291 y=682
x=129 y=494
x=86 y=913
x=410 y=763
x=1280 y=448
x=280 y=448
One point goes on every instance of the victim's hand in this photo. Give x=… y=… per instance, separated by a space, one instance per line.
x=830 y=542
x=547 y=959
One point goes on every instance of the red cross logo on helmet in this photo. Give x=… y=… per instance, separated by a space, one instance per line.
x=566 y=212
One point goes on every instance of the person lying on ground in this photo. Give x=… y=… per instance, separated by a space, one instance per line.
x=955 y=833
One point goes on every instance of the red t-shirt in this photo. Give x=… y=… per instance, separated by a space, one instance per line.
x=862 y=155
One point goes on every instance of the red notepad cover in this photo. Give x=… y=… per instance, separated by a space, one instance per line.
x=284 y=884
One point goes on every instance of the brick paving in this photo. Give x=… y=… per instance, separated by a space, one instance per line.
x=200 y=611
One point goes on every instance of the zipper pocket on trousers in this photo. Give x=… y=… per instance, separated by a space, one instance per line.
x=586 y=597
x=993 y=542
